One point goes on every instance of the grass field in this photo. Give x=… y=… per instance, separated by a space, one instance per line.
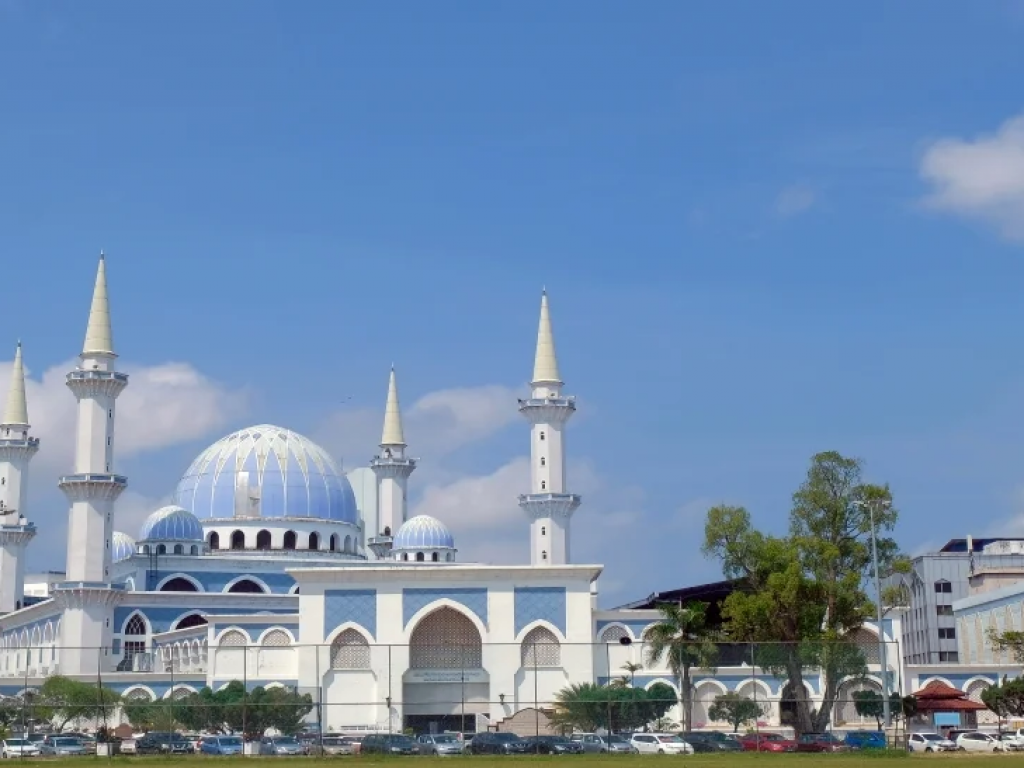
x=743 y=760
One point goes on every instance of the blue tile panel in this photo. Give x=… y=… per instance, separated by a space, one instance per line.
x=216 y=581
x=356 y=605
x=540 y=604
x=416 y=599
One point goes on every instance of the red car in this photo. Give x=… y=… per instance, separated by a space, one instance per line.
x=767 y=742
x=820 y=742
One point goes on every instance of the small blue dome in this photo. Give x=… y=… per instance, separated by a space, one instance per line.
x=275 y=472
x=122 y=547
x=423 y=532
x=171 y=524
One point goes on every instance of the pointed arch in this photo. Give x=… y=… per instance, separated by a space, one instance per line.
x=135 y=624
x=527 y=629
x=263 y=539
x=445 y=638
x=180 y=691
x=232 y=637
x=314 y=541
x=332 y=543
x=213 y=540
x=247 y=584
x=350 y=650
x=139 y=693
x=179 y=582
x=191 y=620
x=277 y=637
x=289 y=540
x=615 y=633
x=540 y=648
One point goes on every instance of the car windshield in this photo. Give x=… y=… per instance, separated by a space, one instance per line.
x=289 y=741
x=66 y=742
x=231 y=741
x=506 y=738
x=333 y=741
x=445 y=739
x=931 y=737
x=616 y=740
x=17 y=742
x=668 y=739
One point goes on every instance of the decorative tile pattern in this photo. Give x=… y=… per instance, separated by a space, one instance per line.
x=356 y=605
x=416 y=599
x=540 y=604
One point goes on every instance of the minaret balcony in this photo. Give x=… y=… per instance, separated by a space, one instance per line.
x=18 y=444
x=19 y=532
x=95 y=383
x=539 y=505
x=548 y=410
x=380 y=546
x=88 y=486
x=390 y=466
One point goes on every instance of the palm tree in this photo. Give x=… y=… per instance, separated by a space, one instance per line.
x=683 y=641
x=631 y=668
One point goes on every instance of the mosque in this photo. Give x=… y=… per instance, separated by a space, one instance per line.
x=275 y=567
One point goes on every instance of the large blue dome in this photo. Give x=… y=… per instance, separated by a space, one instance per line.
x=267 y=472
x=423 y=532
x=171 y=524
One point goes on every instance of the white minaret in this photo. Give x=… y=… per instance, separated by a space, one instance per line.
x=550 y=508
x=16 y=451
x=88 y=596
x=392 y=469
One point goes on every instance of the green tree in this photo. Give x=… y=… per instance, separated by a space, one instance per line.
x=683 y=641
x=660 y=699
x=735 y=709
x=235 y=710
x=1011 y=641
x=1005 y=699
x=62 y=699
x=588 y=707
x=803 y=592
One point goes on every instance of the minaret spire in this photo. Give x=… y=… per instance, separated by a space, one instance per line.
x=98 y=336
x=392 y=468
x=545 y=364
x=393 y=434
x=16 y=412
x=548 y=504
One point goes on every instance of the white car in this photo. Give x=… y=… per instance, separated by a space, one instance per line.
x=660 y=744
x=929 y=742
x=976 y=741
x=18 y=748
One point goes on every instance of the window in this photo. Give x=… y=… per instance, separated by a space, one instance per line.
x=179 y=549
x=350 y=651
x=246 y=586
x=947 y=633
x=543 y=531
x=434 y=556
x=544 y=555
x=543 y=461
x=289 y=540
x=161 y=549
x=541 y=435
x=332 y=543
x=949 y=656
x=943 y=587
x=540 y=648
x=263 y=540
x=943 y=610
x=314 y=541
x=136 y=625
x=543 y=485
x=179 y=584
x=238 y=540
x=419 y=557
x=192 y=620
x=213 y=540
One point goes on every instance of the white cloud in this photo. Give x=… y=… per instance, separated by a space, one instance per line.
x=163 y=405
x=132 y=509
x=980 y=178
x=794 y=200
x=479 y=502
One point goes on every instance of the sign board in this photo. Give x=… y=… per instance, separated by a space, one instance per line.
x=446 y=676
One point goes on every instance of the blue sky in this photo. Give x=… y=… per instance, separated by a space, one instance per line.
x=767 y=230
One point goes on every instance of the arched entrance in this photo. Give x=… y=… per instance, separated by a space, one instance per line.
x=445 y=685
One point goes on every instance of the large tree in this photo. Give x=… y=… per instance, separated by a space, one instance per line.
x=683 y=640
x=735 y=709
x=804 y=592
x=63 y=699
x=235 y=710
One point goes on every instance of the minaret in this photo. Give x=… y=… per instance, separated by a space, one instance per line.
x=392 y=469
x=16 y=451
x=88 y=595
x=550 y=508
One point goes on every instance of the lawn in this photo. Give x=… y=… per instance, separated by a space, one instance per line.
x=742 y=760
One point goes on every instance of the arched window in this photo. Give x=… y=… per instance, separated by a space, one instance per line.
x=543 y=461
x=419 y=557
x=289 y=540
x=192 y=620
x=233 y=638
x=263 y=539
x=246 y=586
x=178 y=584
x=541 y=649
x=161 y=549
x=214 y=540
x=405 y=555
x=449 y=557
x=387 y=530
x=314 y=540
x=276 y=638
x=179 y=549
x=348 y=544
x=434 y=556
x=614 y=634
x=136 y=625
x=194 y=550
x=445 y=639
x=350 y=651
x=333 y=543
x=238 y=540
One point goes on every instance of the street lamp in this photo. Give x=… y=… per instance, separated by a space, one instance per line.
x=870 y=506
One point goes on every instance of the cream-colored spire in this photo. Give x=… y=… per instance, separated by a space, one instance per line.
x=545 y=365
x=16 y=412
x=98 y=337
x=392 y=416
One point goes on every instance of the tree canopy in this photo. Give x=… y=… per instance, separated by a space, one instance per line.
x=588 y=706
x=1005 y=699
x=735 y=709
x=233 y=710
x=804 y=592
x=62 y=699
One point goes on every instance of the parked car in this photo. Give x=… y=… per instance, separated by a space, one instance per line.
x=866 y=740
x=710 y=741
x=611 y=744
x=388 y=744
x=976 y=741
x=554 y=745
x=221 y=745
x=498 y=743
x=439 y=744
x=820 y=742
x=929 y=742
x=281 y=745
x=1010 y=742
x=767 y=742
x=10 y=748
x=660 y=744
x=65 y=746
x=336 y=745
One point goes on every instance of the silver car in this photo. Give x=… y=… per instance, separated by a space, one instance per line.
x=612 y=744
x=65 y=746
x=439 y=744
x=281 y=745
